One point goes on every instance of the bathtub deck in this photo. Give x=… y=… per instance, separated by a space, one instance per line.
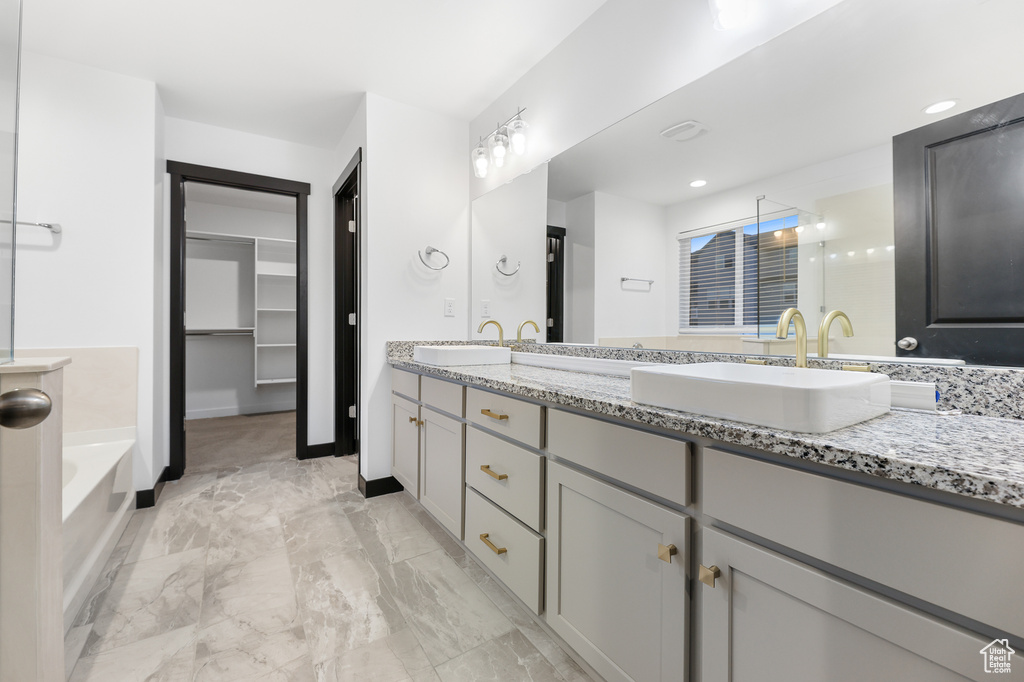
x=283 y=571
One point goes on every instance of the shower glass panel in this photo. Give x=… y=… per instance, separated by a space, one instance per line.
x=10 y=36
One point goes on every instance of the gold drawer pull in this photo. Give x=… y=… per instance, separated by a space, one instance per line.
x=493 y=415
x=496 y=550
x=486 y=468
x=708 y=575
x=666 y=553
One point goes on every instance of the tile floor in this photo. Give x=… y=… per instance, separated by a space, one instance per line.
x=282 y=571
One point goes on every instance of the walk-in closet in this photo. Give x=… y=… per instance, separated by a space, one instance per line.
x=240 y=326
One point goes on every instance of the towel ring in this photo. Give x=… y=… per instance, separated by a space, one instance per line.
x=504 y=259
x=430 y=250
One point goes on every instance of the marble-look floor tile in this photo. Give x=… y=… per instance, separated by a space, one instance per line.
x=320 y=534
x=508 y=658
x=149 y=598
x=390 y=533
x=396 y=658
x=74 y=642
x=344 y=605
x=243 y=503
x=246 y=584
x=165 y=658
x=100 y=589
x=301 y=487
x=440 y=534
x=176 y=525
x=447 y=610
x=253 y=646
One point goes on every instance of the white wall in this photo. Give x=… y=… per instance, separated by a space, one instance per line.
x=629 y=242
x=579 y=270
x=207 y=145
x=413 y=195
x=511 y=221
x=583 y=86
x=88 y=143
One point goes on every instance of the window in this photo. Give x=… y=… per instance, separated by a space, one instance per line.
x=740 y=278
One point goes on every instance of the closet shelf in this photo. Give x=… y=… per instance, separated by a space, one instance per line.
x=276 y=310
x=226 y=331
x=287 y=380
x=275 y=274
x=219 y=237
x=277 y=240
x=275 y=345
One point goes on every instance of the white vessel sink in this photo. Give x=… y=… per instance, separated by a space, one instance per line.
x=449 y=356
x=806 y=400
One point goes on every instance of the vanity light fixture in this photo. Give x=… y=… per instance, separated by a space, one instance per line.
x=508 y=136
x=728 y=14
x=939 y=107
x=698 y=183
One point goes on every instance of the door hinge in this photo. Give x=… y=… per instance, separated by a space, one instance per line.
x=551 y=322
x=352 y=319
x=551 y=258
x=352 y=226
x=352 y=411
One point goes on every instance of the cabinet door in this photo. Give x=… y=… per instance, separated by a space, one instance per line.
x=770 y=618
x=608 y=594
x=405 y=449
x=443 y=473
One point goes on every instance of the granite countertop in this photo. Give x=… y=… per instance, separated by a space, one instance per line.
x=975 y=456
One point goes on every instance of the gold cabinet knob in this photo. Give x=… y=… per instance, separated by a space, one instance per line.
x=495 y=549
x=421 y=423
x=486 y=468
x=412 y=420
x=708 y=575
x=665 y=553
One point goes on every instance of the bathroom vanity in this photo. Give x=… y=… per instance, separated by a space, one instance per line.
x=663 y=545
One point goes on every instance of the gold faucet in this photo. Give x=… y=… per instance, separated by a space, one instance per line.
x=826 y=323
x=501 y=333
x=519 y=334
x=782 y=331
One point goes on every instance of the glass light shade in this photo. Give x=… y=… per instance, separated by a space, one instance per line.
x=499 y=148
x=517 y=136
x=728 y=14
x=480 y=161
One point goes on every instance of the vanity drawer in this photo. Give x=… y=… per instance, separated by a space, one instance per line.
x=521 y=563
x=958 y=560
x=406 y=383
x=442 y=395
x=518 y=488
x=658 y=465
x=516 y=419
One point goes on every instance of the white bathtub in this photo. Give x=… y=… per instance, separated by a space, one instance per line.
x=98 y=500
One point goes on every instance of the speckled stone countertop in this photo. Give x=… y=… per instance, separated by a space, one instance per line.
x=975 y=456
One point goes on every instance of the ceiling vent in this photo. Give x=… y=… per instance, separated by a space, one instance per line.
x=687 y=130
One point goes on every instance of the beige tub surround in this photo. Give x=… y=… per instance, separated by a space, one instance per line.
x=31 y=614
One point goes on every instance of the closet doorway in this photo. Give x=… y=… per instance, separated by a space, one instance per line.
x=238 y=319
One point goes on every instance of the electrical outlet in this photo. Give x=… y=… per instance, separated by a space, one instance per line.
x=449 y=307
x=485 y=308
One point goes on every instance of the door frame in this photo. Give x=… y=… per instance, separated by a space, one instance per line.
x=345 y=195
x=186 y=172
x=556 y=289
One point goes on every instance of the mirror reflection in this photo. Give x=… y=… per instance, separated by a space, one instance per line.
x=654 y=207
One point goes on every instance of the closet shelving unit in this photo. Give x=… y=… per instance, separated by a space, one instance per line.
x=272 y=305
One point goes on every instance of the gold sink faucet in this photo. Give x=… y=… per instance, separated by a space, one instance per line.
x=519 y=334
x=826 y=323
x=782 y=331
x=501 y=333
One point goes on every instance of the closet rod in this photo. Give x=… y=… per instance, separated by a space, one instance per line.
x=217 y=239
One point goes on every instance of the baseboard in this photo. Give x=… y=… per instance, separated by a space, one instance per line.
x=213 y=412
x=379 y=486
x=148 y=498
x=318 y=450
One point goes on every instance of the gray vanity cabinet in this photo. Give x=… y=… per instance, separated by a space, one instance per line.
x=405 y=443
x=617 y=578
x=769 y=618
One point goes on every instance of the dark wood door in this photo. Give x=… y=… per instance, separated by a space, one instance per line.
x=556 y=283
x=959 y=211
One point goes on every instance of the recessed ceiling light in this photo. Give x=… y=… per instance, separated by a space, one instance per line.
x=698 y=183
x=870 y=251
x=798 y=229
x=832 y=255
x=939 y=107
x=687 y=130
x=890 y=247
x=820 y=226
x=851 y=254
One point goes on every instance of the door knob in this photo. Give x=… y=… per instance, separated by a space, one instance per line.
x=907 y=343
x=24 y=407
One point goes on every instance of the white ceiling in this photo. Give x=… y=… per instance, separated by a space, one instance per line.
x=847 y=80
x=295 y=70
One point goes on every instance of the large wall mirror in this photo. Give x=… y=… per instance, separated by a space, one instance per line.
x=794 y=142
